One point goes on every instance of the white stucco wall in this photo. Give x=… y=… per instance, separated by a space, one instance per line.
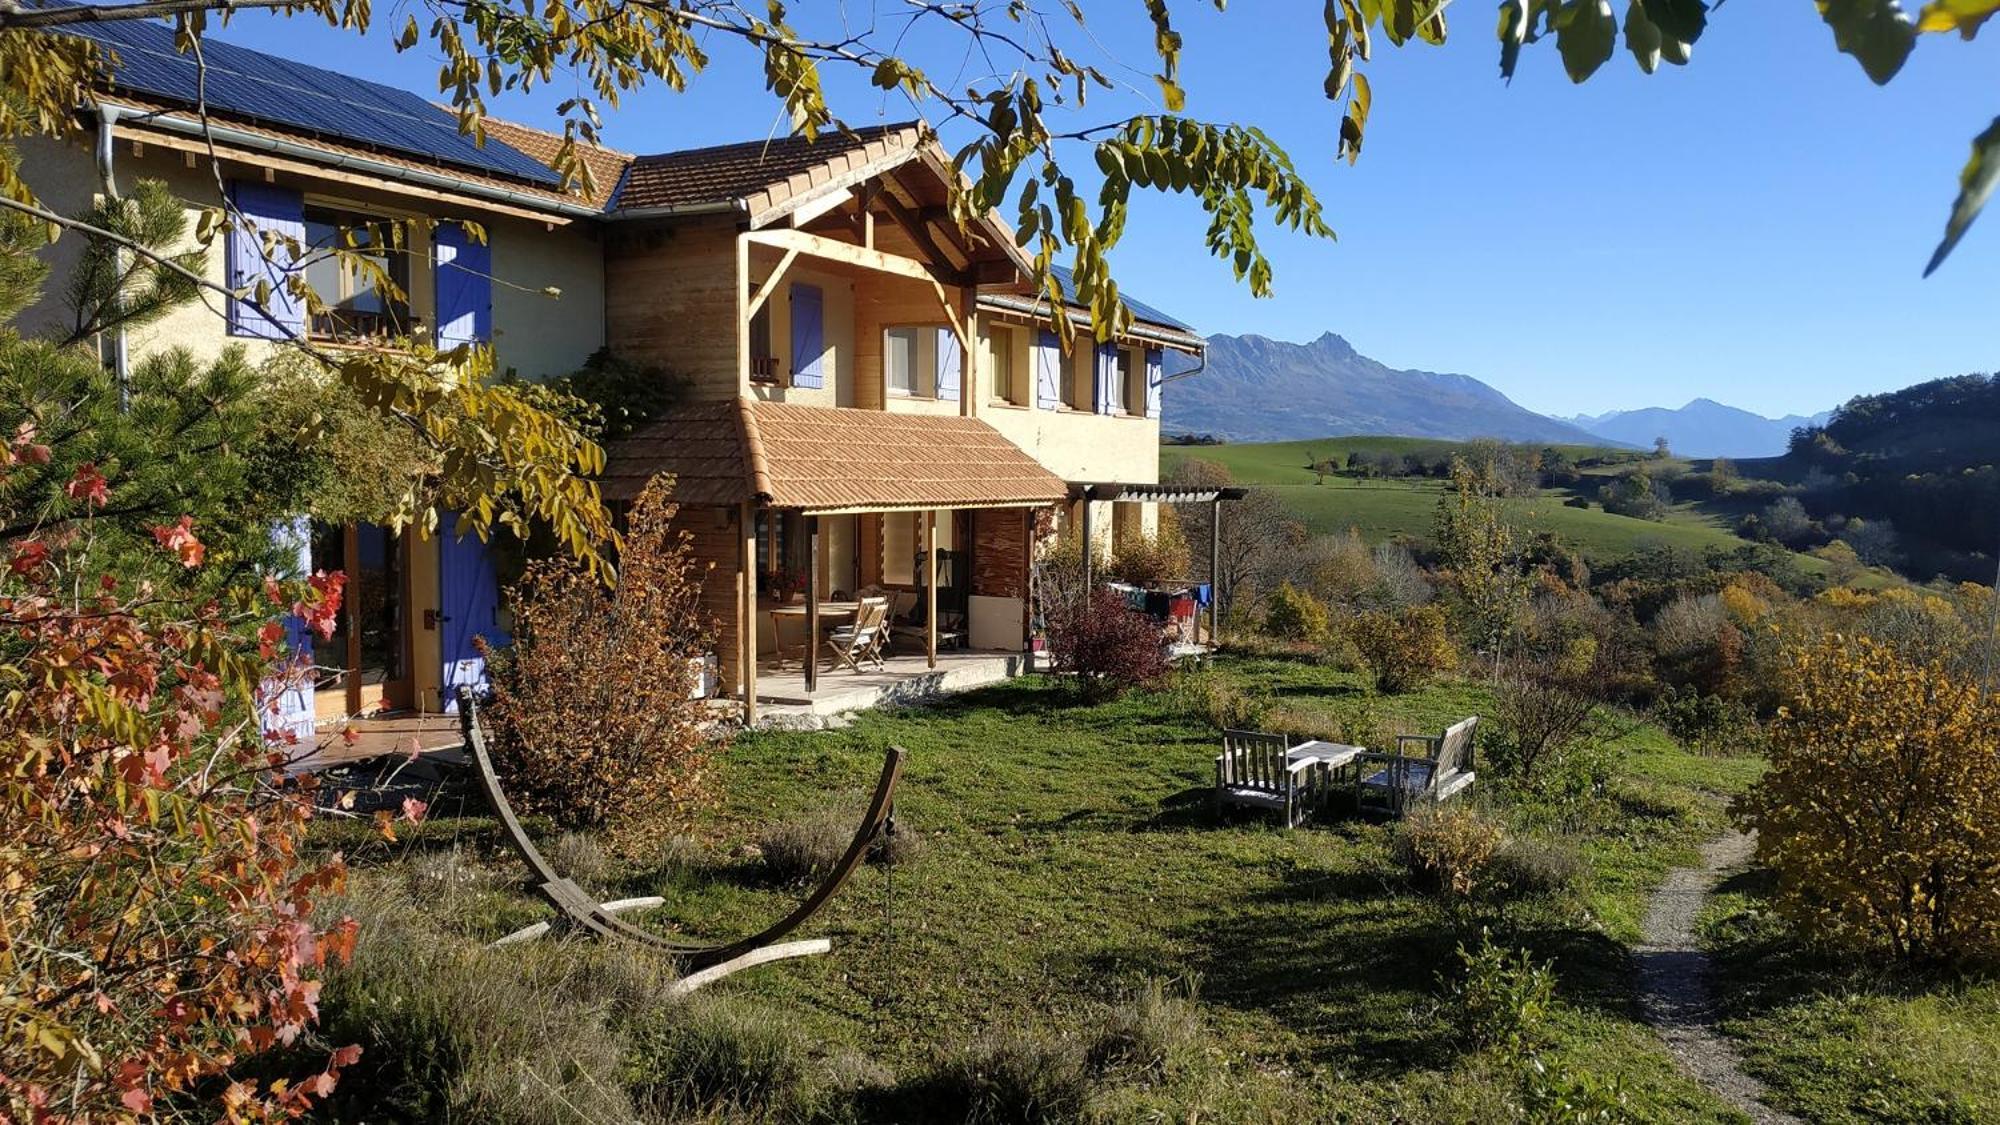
x=534 y=333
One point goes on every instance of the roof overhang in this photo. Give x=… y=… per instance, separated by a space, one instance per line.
x=824 y=460
x=1037 y=309
x=186 y=130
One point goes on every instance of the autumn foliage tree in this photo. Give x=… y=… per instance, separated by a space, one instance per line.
x=594 y=718
x=1105 y=645
x=1880 y=812
x=156 y=909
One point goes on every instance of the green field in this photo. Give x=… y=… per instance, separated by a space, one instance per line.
x=1385 y=508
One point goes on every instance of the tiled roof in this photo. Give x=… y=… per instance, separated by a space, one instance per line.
x=829 y=459
x=763 y=174
x=607 y=165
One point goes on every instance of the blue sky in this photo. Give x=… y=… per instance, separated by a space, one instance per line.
x=1751 y=228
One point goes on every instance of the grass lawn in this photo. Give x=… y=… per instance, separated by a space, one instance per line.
x=1841 y=1043
x=1067 y=855
x=1384 y=508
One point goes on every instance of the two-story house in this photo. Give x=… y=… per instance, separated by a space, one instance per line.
x=868 y=378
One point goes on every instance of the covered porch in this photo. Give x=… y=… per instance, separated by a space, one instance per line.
x=796 y=514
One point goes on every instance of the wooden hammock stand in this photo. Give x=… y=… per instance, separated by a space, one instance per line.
x=577 y=910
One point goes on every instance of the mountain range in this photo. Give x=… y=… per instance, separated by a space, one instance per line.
x=1253 y=388
x=1702 y=428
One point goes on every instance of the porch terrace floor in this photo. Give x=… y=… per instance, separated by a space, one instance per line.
x=403 y=733
x=902 y=679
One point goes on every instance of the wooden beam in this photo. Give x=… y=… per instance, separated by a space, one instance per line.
x=819 y=208
x=920 y=233
x=770 y=285
x=1215 y=574
x=818 y=246
x=930 y=586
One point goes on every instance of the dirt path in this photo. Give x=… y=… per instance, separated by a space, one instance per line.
x=1674 y=980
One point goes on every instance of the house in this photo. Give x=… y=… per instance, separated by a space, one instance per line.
x=867 y=377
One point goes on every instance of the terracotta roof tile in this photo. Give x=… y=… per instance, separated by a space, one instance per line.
x=822 y=458
x=778 y=168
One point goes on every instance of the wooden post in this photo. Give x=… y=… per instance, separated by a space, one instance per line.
x=970 y=371
x=812 y=604
x=350 y=557
x=930 y=585
x=743 y=326
x=1215 y=574
x=746 y=617
x=1089 y=546
x=1028 y=585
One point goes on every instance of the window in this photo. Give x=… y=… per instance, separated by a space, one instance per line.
x=763 y=365
x=1000 y=362
x=1132 y=376
x=361 y=300
x=1079 y=356
x=910 y=360
x=1121 y=383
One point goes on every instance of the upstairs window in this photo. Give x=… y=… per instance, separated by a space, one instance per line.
x=362 y=296
x=999 y=348
x=910 y=361
x=1120 y=383
x=1131 y=386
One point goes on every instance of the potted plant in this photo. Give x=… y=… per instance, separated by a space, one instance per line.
x=785 y=585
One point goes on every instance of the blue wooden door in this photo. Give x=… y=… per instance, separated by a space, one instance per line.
x=469 y=591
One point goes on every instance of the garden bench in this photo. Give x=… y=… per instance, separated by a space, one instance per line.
x=1392 y=782
x=1264 y=771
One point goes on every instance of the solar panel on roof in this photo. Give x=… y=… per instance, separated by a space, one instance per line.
x=1139 y=309
x=265 y=88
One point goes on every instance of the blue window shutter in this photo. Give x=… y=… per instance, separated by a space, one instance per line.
x=808 y=336
x=1048 y=371
x=469 y=591
x=276 y=211
x=285 y=698
x=1156 y=377
x=1107 y=374
x=950 y=364
x=464 y=288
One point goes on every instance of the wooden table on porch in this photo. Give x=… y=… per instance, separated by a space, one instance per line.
x=830 y=613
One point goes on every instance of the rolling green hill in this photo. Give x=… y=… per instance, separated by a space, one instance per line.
x=1385 y=508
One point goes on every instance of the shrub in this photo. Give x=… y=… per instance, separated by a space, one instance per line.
x=1880 y=812
x=1020 y=1076
x=1542 y=717
x=154 y=900
x=1293 y=614
x=1538 y=866
x=704 y=1054
x=591 y=717
x=1156 y=1032
x=1451 y=846
x=1106 y=645
x=1504 y=999
x=1204 y=696
x=806 y=845
x=1405 y=648
x=1153 y=561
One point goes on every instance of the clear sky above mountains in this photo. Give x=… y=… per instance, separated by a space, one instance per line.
x=1750 y=228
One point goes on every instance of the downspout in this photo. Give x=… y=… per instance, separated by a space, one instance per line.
x=107 y=175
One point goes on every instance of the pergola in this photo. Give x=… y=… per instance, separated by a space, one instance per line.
x=1123 y=493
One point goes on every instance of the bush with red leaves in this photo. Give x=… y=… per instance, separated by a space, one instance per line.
x=1106 y=645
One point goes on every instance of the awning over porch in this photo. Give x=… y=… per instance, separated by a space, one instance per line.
x=828 y=460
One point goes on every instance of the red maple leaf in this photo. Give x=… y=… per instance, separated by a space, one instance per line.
x=180 y=539
x=88 y=485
